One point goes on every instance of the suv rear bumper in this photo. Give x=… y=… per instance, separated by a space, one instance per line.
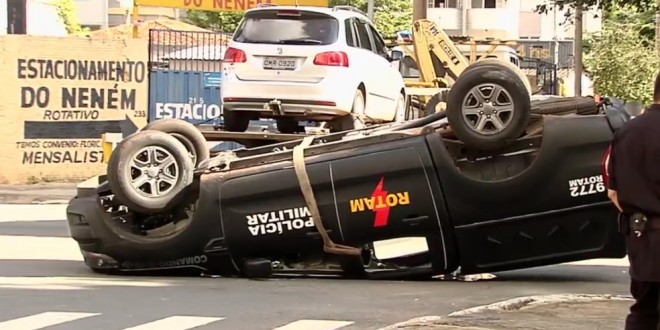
x=302 y=109
x=321 y=100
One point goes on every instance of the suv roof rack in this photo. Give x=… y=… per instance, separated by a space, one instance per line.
x=349 y=8
x=265 y=4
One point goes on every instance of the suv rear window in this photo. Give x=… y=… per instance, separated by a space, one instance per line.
x=292 y=27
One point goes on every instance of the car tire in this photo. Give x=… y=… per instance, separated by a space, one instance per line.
x=122 y=168
x=557 y=105
x=401 y=108
x=236 y=121
x=287 y=126
x=499 y=63
x=470 y=109
x=347 y=122
x=186 y=133
x=431 y=106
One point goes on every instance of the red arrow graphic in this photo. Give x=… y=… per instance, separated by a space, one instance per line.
x=382 y=213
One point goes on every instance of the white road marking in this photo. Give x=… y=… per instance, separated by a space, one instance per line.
x=74 y=283
x=40 y=321
x=623 y=262
x=314 y=324
x=30 y=212
x=177 y=322
x=39 y=248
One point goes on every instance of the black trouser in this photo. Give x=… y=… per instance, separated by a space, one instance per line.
x=645 y=311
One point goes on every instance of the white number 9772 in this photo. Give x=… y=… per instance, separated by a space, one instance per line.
x=588 y=189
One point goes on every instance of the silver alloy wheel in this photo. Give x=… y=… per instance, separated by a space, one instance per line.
x=154 y=171
x=488 y=108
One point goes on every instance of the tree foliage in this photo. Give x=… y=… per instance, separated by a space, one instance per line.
x=622 y=59
x=390 y=16
x=605 y=5
x=223 y=21
x=68 y=13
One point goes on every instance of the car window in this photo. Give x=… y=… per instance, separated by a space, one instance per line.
x=408 y=68
x=350 y=33
x=295 y=27
x=379 y=43
x=363 y=36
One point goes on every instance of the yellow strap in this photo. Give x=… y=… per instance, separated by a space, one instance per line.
x=306 y=187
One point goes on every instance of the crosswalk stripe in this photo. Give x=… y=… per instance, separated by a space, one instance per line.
x=39 y=248
x=40 y=321
x=177 y=322
x=314 y=324
x=30 y=212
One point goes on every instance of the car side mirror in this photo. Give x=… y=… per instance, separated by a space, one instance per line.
x=396 y=55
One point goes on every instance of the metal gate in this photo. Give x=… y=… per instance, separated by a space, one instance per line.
x=184 y=76
x=544 y=73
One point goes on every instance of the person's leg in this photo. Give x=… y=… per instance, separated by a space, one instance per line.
x=644 y=311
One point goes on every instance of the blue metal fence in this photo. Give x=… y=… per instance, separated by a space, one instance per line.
x=193 y=96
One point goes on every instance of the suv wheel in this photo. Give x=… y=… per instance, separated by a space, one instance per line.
x=349 y=121
x=287 y=126
x=236 y=121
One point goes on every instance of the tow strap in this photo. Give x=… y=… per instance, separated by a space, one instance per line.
x=306 y=187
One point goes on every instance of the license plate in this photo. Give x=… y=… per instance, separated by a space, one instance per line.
x=280 y=63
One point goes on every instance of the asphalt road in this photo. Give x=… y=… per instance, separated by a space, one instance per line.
x=43 y=282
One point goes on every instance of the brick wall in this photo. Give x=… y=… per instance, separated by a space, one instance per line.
x=59 y=95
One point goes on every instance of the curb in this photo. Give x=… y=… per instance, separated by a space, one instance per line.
x=514 y=304
x=533 y=301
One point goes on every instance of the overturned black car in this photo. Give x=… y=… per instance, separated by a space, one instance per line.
x=322 y=204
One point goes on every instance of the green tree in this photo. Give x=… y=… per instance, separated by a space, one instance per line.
x=605 y=5
x=622 y=59
x=223 y=21
x=390 y=16
x=68 y=13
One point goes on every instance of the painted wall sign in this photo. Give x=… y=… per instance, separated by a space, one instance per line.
x=61 y=100
x=225 y=5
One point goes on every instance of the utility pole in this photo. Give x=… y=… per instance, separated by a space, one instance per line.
x=419 y=9
x=555 y=53
x=577 y=51
x=657 y=27
x=370 y=9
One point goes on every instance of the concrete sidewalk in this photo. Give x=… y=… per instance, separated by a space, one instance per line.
x=574 y=312
x=47 y=192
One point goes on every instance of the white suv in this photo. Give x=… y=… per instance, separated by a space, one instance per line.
x=298 y=63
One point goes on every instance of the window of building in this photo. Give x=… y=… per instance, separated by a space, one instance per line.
x=484 y=3
x=16 y=22
x=442 y=3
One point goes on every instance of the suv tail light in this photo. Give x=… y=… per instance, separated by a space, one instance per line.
x=331 y=59
x=288 y=13
x=234 y=55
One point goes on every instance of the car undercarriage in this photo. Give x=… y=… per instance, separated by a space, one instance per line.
x=322 y=205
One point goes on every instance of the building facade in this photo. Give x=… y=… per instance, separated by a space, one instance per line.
x=32 y=17
x=505 y=19
x=101 y=14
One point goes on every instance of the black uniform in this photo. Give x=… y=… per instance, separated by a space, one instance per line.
x=634 y=172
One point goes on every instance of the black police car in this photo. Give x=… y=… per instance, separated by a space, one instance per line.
x=535 y=200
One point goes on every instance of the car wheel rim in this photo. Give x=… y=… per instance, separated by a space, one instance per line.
x=154 y=171
x=488 y=109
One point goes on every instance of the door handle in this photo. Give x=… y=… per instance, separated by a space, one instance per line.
x=415 y=220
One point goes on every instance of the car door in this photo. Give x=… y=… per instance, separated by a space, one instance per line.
x=369 y=69
x=390 y=82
